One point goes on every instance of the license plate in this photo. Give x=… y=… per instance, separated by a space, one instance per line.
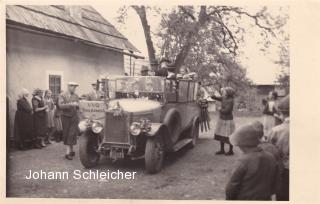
x=116 y=154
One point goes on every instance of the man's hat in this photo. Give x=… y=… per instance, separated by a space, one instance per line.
x=248 y=135
x=284 y=104
x=72 y=83
x=144 y=68
x=164 y=59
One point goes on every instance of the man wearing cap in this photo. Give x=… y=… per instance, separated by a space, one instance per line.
x=255 y=177
x=94 y=95
x=279 y=136
x=69 y=104
x=144 y=70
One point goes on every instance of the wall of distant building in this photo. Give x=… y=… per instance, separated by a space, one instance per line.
x=133 y=66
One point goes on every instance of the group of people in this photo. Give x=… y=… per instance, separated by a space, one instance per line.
x=166 y=69
x=43 y=120
x=38 y=123
x=263 y=168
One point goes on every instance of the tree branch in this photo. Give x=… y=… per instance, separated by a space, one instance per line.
x=224 y=27
x=185 y=11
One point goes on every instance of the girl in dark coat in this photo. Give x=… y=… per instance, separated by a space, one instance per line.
x=23 y=121
x=225 y=125
x=39 y=117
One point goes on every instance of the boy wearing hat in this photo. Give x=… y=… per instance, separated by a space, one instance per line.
x=279 y=136
x=69 y=104
x=256 y=174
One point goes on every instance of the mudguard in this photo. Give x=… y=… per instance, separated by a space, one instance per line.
x=161 y=129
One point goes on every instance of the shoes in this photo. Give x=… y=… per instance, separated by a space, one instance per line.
x=43 y=144
x=72 y=154
x=68 y=156
x=229 y=153
x=37 y=146
x=220 y=152
x=48 y=142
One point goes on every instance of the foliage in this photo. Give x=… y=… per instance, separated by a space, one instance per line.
x=207 y=38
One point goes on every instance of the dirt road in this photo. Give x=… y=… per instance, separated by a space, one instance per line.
x=188 y=174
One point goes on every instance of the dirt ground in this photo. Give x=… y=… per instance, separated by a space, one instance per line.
x=188 y=174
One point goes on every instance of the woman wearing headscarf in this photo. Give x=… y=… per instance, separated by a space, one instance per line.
x=225 y=125
x=23 y=126
x=48 y=101
x=39 y=118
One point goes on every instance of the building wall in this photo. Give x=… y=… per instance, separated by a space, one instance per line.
x=32 y=57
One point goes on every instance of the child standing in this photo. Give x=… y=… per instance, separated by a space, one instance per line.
x=279 y=136
x=255 y=176
x=225 y=125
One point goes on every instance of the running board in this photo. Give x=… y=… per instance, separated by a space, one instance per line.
x=181 y=144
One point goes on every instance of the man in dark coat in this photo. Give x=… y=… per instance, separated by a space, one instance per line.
x=255 y=177
x=69 y=104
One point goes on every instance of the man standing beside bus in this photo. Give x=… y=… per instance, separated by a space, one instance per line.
x=69 y=104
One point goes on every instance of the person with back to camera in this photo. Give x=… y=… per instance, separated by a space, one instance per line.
x=256 y=173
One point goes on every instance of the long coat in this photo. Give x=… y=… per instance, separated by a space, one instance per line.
x=40 y=117
x=23 y=123
x=69 y=117
x=255 y=177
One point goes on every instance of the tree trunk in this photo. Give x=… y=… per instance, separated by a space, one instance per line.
x=141 y=11
x=202 y=19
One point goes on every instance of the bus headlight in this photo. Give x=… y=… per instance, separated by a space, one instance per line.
x=96 y=127
x=83 y=125
x=135 y=128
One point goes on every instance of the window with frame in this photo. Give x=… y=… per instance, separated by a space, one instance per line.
x=55 y=85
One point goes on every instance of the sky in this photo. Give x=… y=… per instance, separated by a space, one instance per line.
x=260 y=68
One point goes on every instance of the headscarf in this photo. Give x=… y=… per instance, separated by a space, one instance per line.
x=23 y=92
x=229 y=91
x=37 y=92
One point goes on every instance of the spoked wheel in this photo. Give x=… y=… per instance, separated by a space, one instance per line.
x=88 y=150
x=194 y=133
x=154 y=154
